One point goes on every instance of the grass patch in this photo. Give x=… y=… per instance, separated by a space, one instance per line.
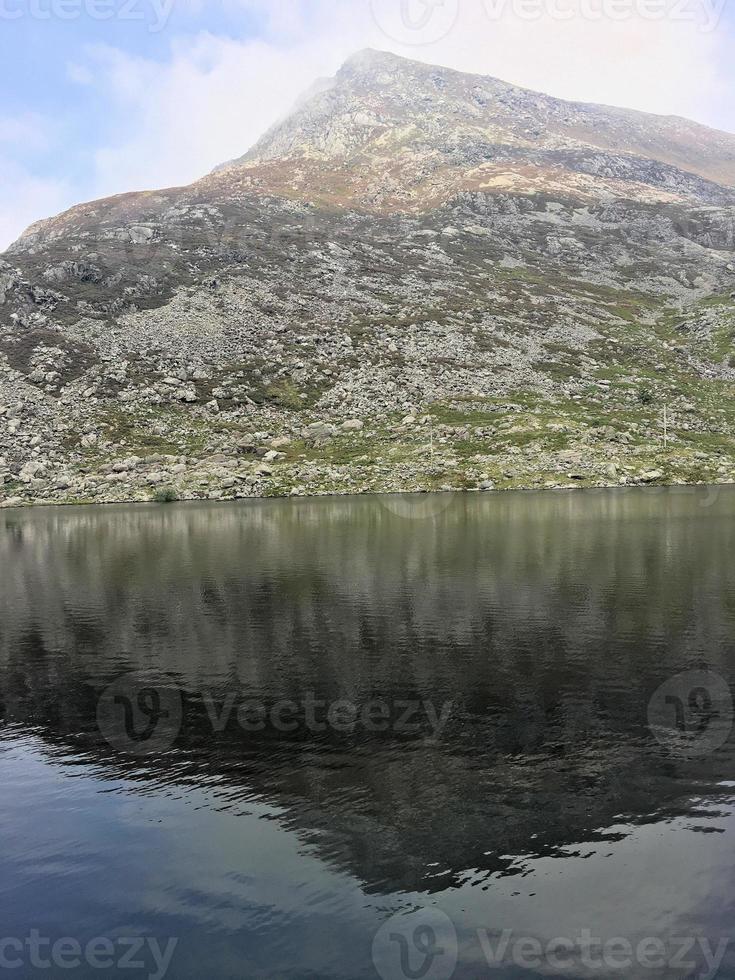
x=164 y=495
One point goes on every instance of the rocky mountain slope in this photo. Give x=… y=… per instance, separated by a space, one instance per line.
x=421 y=279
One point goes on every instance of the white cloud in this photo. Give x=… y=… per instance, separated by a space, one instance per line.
x=29 y=132
x=24 y=198
x=79 y=74
x=207 y=104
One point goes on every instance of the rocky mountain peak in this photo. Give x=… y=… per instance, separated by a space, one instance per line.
x=404 y=134
x=372 y=59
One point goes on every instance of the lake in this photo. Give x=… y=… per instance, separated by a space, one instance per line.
x=404 y=737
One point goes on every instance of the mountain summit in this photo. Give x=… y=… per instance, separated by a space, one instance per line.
x=419 y=279
x=402 y=134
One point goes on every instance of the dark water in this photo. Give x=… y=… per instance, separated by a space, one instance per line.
x=450 y=712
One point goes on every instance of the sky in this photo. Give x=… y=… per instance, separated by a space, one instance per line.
x=105 y=96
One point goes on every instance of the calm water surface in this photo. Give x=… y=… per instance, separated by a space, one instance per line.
x=528 y=799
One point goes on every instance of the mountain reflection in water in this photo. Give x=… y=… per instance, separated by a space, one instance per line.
x=542 y=623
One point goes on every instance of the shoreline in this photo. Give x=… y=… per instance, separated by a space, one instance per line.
x=417 y=494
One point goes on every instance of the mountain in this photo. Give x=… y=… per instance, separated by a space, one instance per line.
x=420 y=279
x=391 y=134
